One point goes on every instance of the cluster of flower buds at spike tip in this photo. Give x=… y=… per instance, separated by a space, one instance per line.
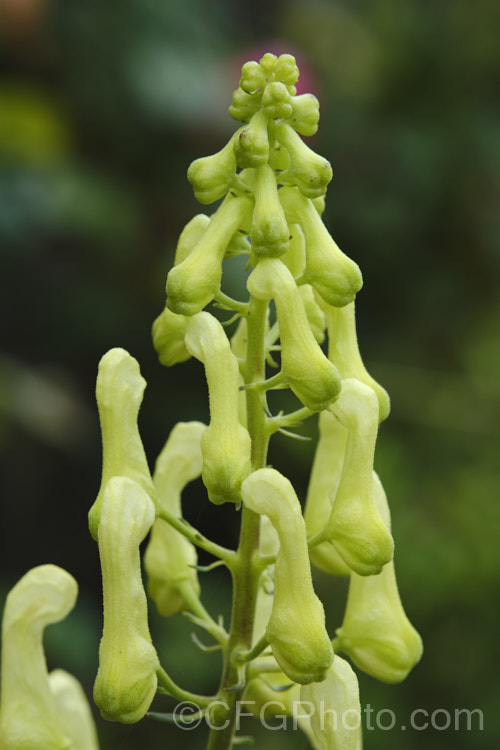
x=119 y=392
x=309 y=373
x=29 y=714
x=225 y=444
x=126 y=680
x=355 y=526
x=170 y=558
x=296 y=628
x=376 y=633
x=335 y=711
x=194 y=282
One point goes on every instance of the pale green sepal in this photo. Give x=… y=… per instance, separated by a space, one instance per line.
x=126 y=680
x=376 y=633
x=323 y=484
x=73 y=710
x=190 y=236
x=343 y=351
x=169 y=556
x=296 y=628
x=335 y=277
x=251 y=147
x=169 y=331
x=355 y=526
x=29 y=718
x=335 y=709
x=211 y=176
x=194 y=283
x=270 y=231
x=295 y=258
x=225 y=443
x=309 y=373
x=314 y=313
x=119 y=392
x=309 y=171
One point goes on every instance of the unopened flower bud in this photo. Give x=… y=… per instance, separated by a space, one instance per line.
x=211 y=176
x=269 y=228
x=309 y=171
x=244 y=105
x=305 y=114
x=169 y=556
x=336 y=719
x=251 y=147
x=252 y=78
x=28 y=713
x=355 y=526
x=169 y=331
x=276 y=101
x=376 y=633
x=323 y=484
x=343 y=351
x=126 y=680
x=286 y=70
x=194 y=283
x=335 y=277
x=73 y=710
x=296 y=628
x=119 y=391
x=268 y=62
x=225 y=443
x=311 y=376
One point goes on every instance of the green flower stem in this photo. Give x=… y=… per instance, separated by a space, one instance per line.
x=202 y=617
x=194 y=536
x=223 y=300
x=319 y=538
x=294 y=419
x=256 y=650
x=245 y=569
x=170 y=687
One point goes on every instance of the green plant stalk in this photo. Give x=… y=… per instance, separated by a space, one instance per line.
x=245 y=569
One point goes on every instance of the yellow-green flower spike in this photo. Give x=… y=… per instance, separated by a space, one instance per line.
x=296 y=628
x=376 y=633
x=310 y=375
x=343 y=351
x=310 y=172
x=269 y=228
x=225 y=443
x=190 y=236
x=73 y=710
x=323 y=484
x=119 y=392
x=305 y=114
x=126 y=680
x=355 y=527
x=335 y=277
x=251 y=147
x=194 y=283
x=169 y=556
x=169 y=331
x=212 y=176
x=29 y=719
x=336 y=711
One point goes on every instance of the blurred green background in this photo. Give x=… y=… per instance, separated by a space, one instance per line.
x=102 y=107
